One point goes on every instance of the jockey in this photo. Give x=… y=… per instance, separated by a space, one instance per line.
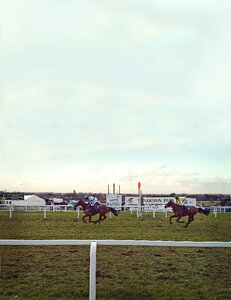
x=181 y=201
x=93 y=202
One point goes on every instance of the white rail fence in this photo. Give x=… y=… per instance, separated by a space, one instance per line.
x=139 y=210
x=93 y=248
x=44 y=209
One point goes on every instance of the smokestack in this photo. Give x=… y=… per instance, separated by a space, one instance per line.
x=108 y=189
x=119 y=189
x=113 y=188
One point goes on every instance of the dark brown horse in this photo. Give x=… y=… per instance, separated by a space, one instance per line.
x=180 y=211
x=103 y=209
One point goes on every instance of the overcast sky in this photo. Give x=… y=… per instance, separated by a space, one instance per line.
x=96 y=92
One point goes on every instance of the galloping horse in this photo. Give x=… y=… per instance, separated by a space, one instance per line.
x=180 y=211
x=103 y=209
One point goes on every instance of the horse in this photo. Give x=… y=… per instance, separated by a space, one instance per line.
x=180 y=211
x=88 y=213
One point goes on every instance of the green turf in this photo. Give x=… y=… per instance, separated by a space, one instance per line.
x=62 y=272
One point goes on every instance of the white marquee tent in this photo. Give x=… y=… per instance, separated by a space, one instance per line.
x=29 y=200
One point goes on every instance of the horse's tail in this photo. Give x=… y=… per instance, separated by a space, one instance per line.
x=203 y=211
x=113 y=211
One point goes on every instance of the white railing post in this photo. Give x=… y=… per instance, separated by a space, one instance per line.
x=154 y=213
x=137 y=213
x=215 y=212
x=10 y=211
x=92 y=283
x=78 y=212
x=45 y=212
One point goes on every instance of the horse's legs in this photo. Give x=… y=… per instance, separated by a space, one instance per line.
x=170 y=219
x=90 y=221
x=87 y=216
x=99 y=219
x=83 y=218
x=178 y=220
x=190 y=219
x=104 y=217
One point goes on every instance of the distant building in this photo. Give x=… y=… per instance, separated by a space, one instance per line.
x=57 y=200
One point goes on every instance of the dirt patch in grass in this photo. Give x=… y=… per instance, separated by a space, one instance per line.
x=102 y=275
x=127 y=253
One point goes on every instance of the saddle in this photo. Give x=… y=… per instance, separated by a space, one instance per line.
x=95 y=208
x=185 y=207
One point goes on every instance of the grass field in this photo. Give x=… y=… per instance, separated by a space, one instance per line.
x=62 y=272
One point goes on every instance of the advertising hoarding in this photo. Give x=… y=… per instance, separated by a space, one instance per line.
x=114 y=200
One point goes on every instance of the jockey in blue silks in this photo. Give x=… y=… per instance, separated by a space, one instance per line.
x=93 y=202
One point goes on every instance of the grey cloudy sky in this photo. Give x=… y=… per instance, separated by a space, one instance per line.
x=96 y=92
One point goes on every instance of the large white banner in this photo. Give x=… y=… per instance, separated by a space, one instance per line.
x=114 y=200
x=134 y=201
x=147 y=201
